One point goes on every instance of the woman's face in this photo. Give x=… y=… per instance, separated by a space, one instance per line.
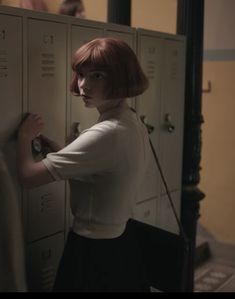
x=92 y=85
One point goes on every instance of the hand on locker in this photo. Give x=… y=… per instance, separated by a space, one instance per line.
x=31 y=127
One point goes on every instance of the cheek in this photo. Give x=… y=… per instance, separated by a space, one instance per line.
x=104 y=87
x=78 y=84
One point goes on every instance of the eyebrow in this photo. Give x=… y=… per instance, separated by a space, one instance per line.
x=97 y=70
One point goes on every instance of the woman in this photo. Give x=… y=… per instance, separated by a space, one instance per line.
x=105 y=166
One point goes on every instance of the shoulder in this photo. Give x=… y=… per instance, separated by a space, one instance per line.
x=107 y=128
x=100 y=135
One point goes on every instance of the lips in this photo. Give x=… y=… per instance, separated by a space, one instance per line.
x=85 y=96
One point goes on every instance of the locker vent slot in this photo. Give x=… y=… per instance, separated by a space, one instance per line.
x=48 y=65
x=3 y=64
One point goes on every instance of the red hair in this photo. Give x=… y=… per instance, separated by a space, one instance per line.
x=125 y=76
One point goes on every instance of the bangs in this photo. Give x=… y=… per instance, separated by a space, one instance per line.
x=92 y=55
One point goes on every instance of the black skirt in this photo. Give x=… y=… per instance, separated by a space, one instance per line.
x=101 y=265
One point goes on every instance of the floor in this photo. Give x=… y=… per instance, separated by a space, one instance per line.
x=215 y=264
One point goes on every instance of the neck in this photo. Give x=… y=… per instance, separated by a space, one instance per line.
x=112 y=104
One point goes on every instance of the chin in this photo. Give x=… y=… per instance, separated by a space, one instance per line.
x=89 y=105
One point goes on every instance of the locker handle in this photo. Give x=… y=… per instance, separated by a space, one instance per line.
x=168 y=123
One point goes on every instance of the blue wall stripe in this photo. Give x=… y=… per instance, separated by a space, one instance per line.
x=213 y=55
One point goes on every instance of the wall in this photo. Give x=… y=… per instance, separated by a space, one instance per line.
x=151 y=16
x=10 y=2
x=218 y=106
x=157 y=15
x=92 y=11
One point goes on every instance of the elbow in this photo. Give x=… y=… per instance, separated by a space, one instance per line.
x=25 y=180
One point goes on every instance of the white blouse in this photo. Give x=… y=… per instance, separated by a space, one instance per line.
x=105 y=166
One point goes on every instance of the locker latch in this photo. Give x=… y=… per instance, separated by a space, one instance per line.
x=168 y=123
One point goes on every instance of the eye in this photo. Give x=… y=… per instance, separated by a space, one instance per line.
x=98 y=75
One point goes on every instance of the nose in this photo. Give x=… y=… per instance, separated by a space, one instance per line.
x=83 y=83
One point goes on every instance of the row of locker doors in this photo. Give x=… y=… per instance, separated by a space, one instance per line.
x=42 y=53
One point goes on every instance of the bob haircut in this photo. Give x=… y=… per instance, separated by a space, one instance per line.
x=125 y=78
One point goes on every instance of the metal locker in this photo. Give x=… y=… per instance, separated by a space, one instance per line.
x=42 y=260
x=47 y=85
x=45 y=211
x=146 y=211
x=172 y=113
x=10 y=76
x=47 y=53
x=150 y=52
x=82 y=117
x=165 y=216
x=11 y=89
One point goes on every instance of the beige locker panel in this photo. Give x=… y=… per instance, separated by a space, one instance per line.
x=10 y=89
x=150 y=185
x=81 y=115
x=42 y=262
x=165 y=217
x=172 y=113
x=150 y=52
x=146 y=211
x=10 y=75
x=45 y=211
x=47 y=75
x=47 y=97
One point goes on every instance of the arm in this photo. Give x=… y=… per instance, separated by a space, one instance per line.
x=31 y=174
x=48 y=145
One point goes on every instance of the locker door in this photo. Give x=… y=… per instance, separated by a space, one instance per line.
x=146 y=211
x=47 y=96
x=10 y=75
x=165 y=217
x=45 y=211
x=172 y=113
x=42 y=261
x=80 y=115
x=150 y=52
x=11 y=88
